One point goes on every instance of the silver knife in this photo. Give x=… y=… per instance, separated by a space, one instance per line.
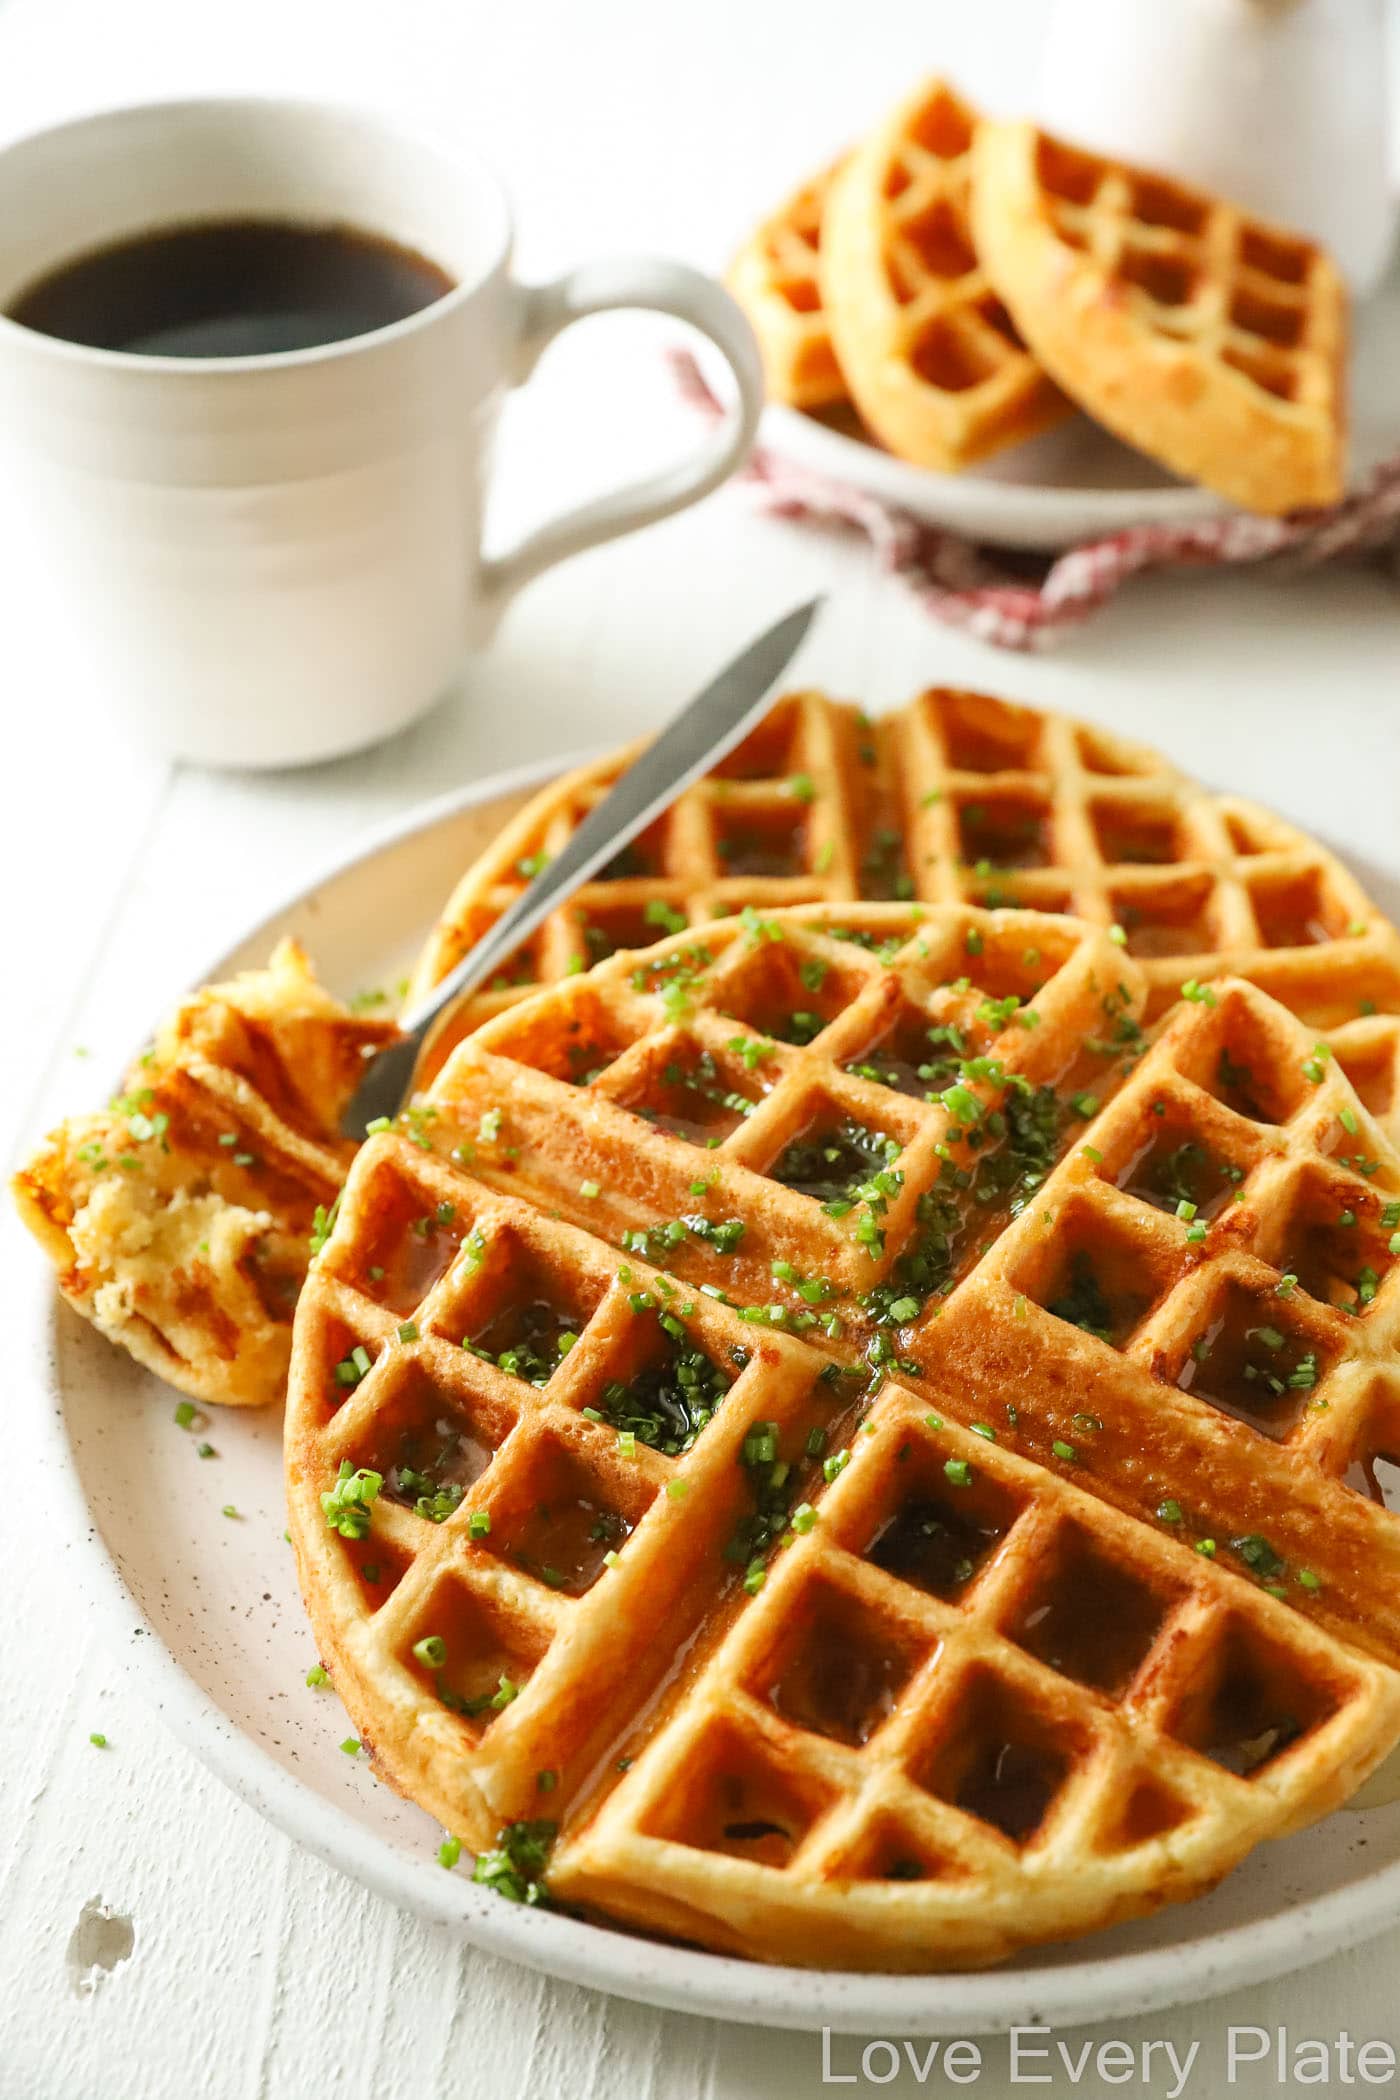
x=699 y=737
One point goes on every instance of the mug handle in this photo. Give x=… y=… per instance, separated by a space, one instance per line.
x=661 y=287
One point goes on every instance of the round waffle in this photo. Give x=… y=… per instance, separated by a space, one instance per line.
x=930 y=354
x=962 y=797
x=818 y=1440
x=1209 y=339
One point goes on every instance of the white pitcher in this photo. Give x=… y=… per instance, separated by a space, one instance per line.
x=1278 y=104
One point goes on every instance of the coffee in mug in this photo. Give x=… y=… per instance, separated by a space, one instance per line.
x=231 y=288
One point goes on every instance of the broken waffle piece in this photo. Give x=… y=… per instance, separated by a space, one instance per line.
x=179 y=1217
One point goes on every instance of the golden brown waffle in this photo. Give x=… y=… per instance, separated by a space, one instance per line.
x=178 y=1217
x=876 y=1460
x=1205 y=337
x=930 y=354
x=962 y=796
x=774 y=278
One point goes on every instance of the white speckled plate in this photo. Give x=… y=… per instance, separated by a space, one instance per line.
x=207 y=1612
x=1076 y=482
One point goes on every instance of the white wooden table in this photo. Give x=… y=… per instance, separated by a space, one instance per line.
x=253 y=1970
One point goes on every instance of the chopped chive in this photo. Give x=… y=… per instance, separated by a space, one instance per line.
x=316 y=1676
x=449 y=1851
x=431 y=1651
x=1068 y=1453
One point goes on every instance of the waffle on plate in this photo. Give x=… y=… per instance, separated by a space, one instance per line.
x=959 y=796
x=1207 y=338
x=178 y=1217
x=818 y=1439
x=775 y=279
x=931 y=356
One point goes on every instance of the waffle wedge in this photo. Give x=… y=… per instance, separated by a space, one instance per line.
x=775 y=279
x=1205 y=337
x=178 y=1217
x=829 y=1446
x=932 y=358
x=960 y=796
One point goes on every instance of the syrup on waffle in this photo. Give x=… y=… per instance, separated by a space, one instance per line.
x=929 y=352
x=960 y=796
x=774 y=277
x=178 y=1217
x=1205 y=337
x=825 y=1428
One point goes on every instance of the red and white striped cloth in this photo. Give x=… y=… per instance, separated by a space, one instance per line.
x=989 y=593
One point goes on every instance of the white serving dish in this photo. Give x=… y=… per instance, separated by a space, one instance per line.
x=1076 y=482
x=205 y=1612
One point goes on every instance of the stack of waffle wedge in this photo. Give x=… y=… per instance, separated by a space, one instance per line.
x=961 y=282
x=856 y=1432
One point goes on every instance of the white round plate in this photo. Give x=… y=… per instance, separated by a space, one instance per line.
x=1076 y=482
x=207 y=1614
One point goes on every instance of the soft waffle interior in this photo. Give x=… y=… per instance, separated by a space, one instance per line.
x=961 y=797
x=969 y=1544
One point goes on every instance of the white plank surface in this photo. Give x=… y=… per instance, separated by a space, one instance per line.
x=255 y=1971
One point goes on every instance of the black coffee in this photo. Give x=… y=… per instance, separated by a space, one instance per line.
x=231 y=288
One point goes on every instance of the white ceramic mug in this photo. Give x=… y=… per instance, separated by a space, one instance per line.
x=273 y=559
